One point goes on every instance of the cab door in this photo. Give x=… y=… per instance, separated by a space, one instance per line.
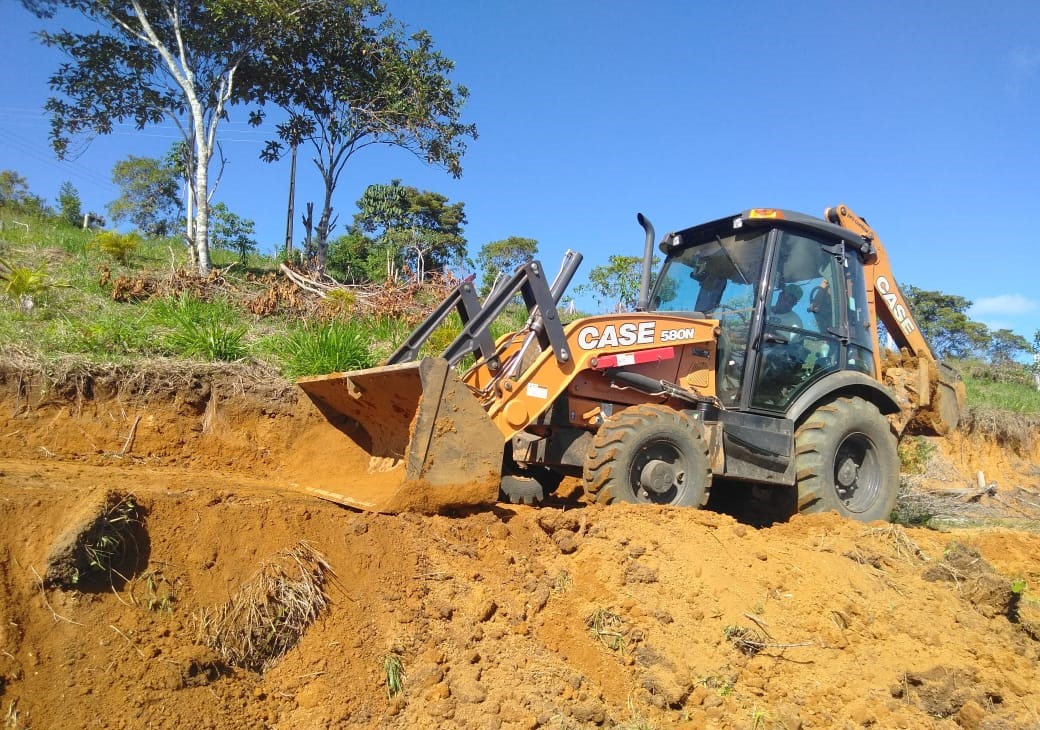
x=805 y=324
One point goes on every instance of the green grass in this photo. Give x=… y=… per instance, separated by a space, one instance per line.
x=197 y=329
x=1015 y=397
x=314 y=349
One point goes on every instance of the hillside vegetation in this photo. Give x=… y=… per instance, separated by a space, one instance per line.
x=75 y=297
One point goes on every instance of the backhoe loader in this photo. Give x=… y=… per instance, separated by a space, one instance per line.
x=753 y=356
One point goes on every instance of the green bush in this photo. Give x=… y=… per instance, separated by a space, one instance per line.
x=120 y=246
x=316 y=349
x=198 y=329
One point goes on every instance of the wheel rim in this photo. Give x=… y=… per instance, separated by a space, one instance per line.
x=857 y=473
x=659 y=473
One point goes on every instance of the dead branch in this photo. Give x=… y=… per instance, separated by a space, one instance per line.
x=129 y=443
x=305 y=283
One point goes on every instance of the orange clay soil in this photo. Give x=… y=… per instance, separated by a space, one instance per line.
x=567 y=616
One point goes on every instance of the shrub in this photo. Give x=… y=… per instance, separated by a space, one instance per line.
x=22 y=283
x=119 y=246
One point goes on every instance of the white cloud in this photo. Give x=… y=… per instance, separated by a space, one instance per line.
x=1005 y=305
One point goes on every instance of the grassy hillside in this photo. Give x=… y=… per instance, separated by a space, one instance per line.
x=72 y=298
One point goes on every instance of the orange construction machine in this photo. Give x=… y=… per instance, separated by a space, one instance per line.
x=752 y=355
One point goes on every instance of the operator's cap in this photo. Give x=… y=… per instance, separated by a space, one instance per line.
x=793 y=290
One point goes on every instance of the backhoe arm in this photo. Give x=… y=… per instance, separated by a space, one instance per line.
x=931 y=392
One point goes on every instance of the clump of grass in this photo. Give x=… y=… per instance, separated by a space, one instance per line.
x=267 y=616
x=195 y=328
x=393 y=670
x=317 y=349
x=109 y=543
x=759 y=718
x=386 y=334
x=722 y=685
x=606 y=627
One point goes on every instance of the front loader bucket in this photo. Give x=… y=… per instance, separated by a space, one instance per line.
x=397 y=438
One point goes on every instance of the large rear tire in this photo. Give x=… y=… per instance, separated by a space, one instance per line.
x=846 y=461
x=650 y=454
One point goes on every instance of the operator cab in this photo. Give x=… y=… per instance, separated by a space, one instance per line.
x=789 y=294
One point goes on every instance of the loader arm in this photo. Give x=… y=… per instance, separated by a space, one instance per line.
x=933 y=393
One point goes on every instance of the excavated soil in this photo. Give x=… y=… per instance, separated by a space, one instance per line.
x=565 y=616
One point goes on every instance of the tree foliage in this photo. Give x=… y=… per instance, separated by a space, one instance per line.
x=232 y=232
x=1005 y=346
x=944 y=321
x=403 y=226
x=349 y=76
x=145 y=61
x=70 y=208
x=617 y=281
x=16 y=196
x=148 y=194
x=502 y=257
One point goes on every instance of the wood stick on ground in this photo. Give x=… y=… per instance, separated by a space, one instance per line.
x=129 y=443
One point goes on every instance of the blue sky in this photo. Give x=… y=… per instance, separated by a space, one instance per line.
x=923 y=117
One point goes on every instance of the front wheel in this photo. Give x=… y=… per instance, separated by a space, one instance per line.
x=648 y=453
x=846 y=461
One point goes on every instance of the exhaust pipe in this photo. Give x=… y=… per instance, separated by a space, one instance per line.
x=648 y=256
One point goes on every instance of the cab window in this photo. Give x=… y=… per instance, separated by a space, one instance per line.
x=804 y=317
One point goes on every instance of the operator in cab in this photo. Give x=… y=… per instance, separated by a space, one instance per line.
x=781 y=313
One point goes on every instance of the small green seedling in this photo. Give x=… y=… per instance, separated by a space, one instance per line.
x=394 y=671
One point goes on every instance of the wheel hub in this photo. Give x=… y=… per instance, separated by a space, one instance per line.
x=848 y=472
x=658 y=476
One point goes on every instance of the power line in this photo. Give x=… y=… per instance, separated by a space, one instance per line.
x=72 y=169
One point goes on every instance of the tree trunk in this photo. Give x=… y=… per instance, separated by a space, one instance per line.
x=308 y=228
x=292 y=200
x=202 y=210
x=189 y=218
x=321 y=252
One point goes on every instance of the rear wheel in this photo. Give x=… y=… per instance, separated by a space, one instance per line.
x=648 y=453
x=846 y=461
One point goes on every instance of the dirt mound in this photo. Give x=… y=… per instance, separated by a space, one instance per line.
x=513 y=617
